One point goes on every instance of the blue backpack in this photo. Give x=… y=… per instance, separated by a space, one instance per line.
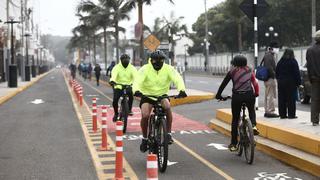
x=262 y=72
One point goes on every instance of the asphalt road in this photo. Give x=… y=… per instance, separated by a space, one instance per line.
x=43 y=141
x=193 y=156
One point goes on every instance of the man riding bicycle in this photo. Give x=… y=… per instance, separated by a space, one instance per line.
x=245 y=90
x=123 y=73
x=154 y=79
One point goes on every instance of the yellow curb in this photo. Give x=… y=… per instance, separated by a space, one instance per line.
x=10 y=95
x=301 y=140
x=283 y=156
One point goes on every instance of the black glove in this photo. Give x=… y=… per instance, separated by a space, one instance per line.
x=182 y=94
x=112 y=83
x=138 y=94
x=219 y=97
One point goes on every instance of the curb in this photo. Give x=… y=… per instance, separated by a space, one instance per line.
x=10 y=95
x=307 y=142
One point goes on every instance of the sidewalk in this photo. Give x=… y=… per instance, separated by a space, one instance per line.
x=293 y=141
x=6 y=93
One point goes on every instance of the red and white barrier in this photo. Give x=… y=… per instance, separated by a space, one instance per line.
x=152 y=167
x=94 y=115
x=119 y=151
x=104 y=126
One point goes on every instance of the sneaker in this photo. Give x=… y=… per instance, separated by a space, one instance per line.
x=144 y=145
x=315 y=124
x=294 y=117
x=115 y=118
x=130 y=113
x=170 y=140
x=255 y=130
x=233 y=147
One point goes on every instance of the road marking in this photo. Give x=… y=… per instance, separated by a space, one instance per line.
x=265 y=175
x=204 y=161
x=204 y=82
x=97 y=90
x=37 y=101
x=218 y=146
x=171 y=163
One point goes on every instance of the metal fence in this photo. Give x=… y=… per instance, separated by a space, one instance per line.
x=220 y=63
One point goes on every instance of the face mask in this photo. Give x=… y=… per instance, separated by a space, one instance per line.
x=125 y=63
x=157 y=65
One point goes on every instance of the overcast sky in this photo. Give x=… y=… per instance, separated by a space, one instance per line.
x=57 y=16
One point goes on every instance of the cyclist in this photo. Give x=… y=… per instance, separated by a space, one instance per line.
x=154 y=79
x=122 y=73
x=245 y=90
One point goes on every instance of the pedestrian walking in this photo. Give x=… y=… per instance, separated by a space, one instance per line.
x=109 y=70
x=270 y=84
x=289 y=79
x=313 y=67
x=73 y=70
x=97 y=70
x=89 y=71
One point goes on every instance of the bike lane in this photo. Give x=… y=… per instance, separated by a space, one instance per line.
x=40 y=135
x=198 y=153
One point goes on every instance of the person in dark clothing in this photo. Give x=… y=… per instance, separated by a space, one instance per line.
x=97 y=71
x=245 y=90
x=313 y=66
x=109 y=70
x=89 y=71
x=73 y=70
x=289 y=79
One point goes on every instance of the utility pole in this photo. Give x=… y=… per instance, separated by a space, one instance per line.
x=255 y=35
x=314 y=26
x=22 y=64
x=206 y=38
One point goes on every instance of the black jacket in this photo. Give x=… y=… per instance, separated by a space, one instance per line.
x=288 y=70
x=313 y=62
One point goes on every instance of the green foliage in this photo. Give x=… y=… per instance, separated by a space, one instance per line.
x=291 y=19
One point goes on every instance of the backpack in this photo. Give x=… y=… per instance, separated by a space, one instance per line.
x=262 y=73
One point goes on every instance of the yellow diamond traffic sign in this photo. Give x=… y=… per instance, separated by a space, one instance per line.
x=151 y=42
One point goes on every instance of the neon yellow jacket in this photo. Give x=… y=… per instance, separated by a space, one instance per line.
x=157 y=83
x=123 y=75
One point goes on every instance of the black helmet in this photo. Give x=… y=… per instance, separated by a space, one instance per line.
x=124 y=57
x=157 y=55
x=239 y=61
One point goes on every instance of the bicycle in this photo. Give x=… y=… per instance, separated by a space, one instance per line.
x=157 y=134
x=246 y=136
x=124 y=105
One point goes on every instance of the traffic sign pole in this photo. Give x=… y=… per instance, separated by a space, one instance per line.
x=255 y=36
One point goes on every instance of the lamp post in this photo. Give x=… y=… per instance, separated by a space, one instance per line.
x=206 y=37
x=272 y=35
x=186 y=46
x=40 y=65
x=13 y=76
x=27 y=67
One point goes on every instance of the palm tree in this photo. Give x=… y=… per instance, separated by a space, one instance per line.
x=120 y=10
x=140 y=20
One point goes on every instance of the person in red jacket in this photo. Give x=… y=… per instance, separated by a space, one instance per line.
x=245 y=90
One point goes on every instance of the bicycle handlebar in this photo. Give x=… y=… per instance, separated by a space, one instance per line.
x=159 y=98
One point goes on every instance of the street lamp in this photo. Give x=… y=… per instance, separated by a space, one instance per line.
x=271 y=34
x=13 y=76
x=206 y=37
x=27 y=67
x=40 y=65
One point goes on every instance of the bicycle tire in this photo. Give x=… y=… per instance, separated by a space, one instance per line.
x=151 y=136
x=162 y=144
x=240 y=145
x=125 y=113
x=248 y=142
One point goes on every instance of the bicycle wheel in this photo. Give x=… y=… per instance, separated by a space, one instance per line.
x=162 y=144
x=248 y=142
x=124 y=113
x=240 y=144
x=151 y=136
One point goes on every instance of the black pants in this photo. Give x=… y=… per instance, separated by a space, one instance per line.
x=315 y=101
x=117 y=93
x=97 y=78
x=287 y=92
x=237 y=100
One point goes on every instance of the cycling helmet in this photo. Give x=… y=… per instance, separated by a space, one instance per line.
x=125 y=59
x=157 y=59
